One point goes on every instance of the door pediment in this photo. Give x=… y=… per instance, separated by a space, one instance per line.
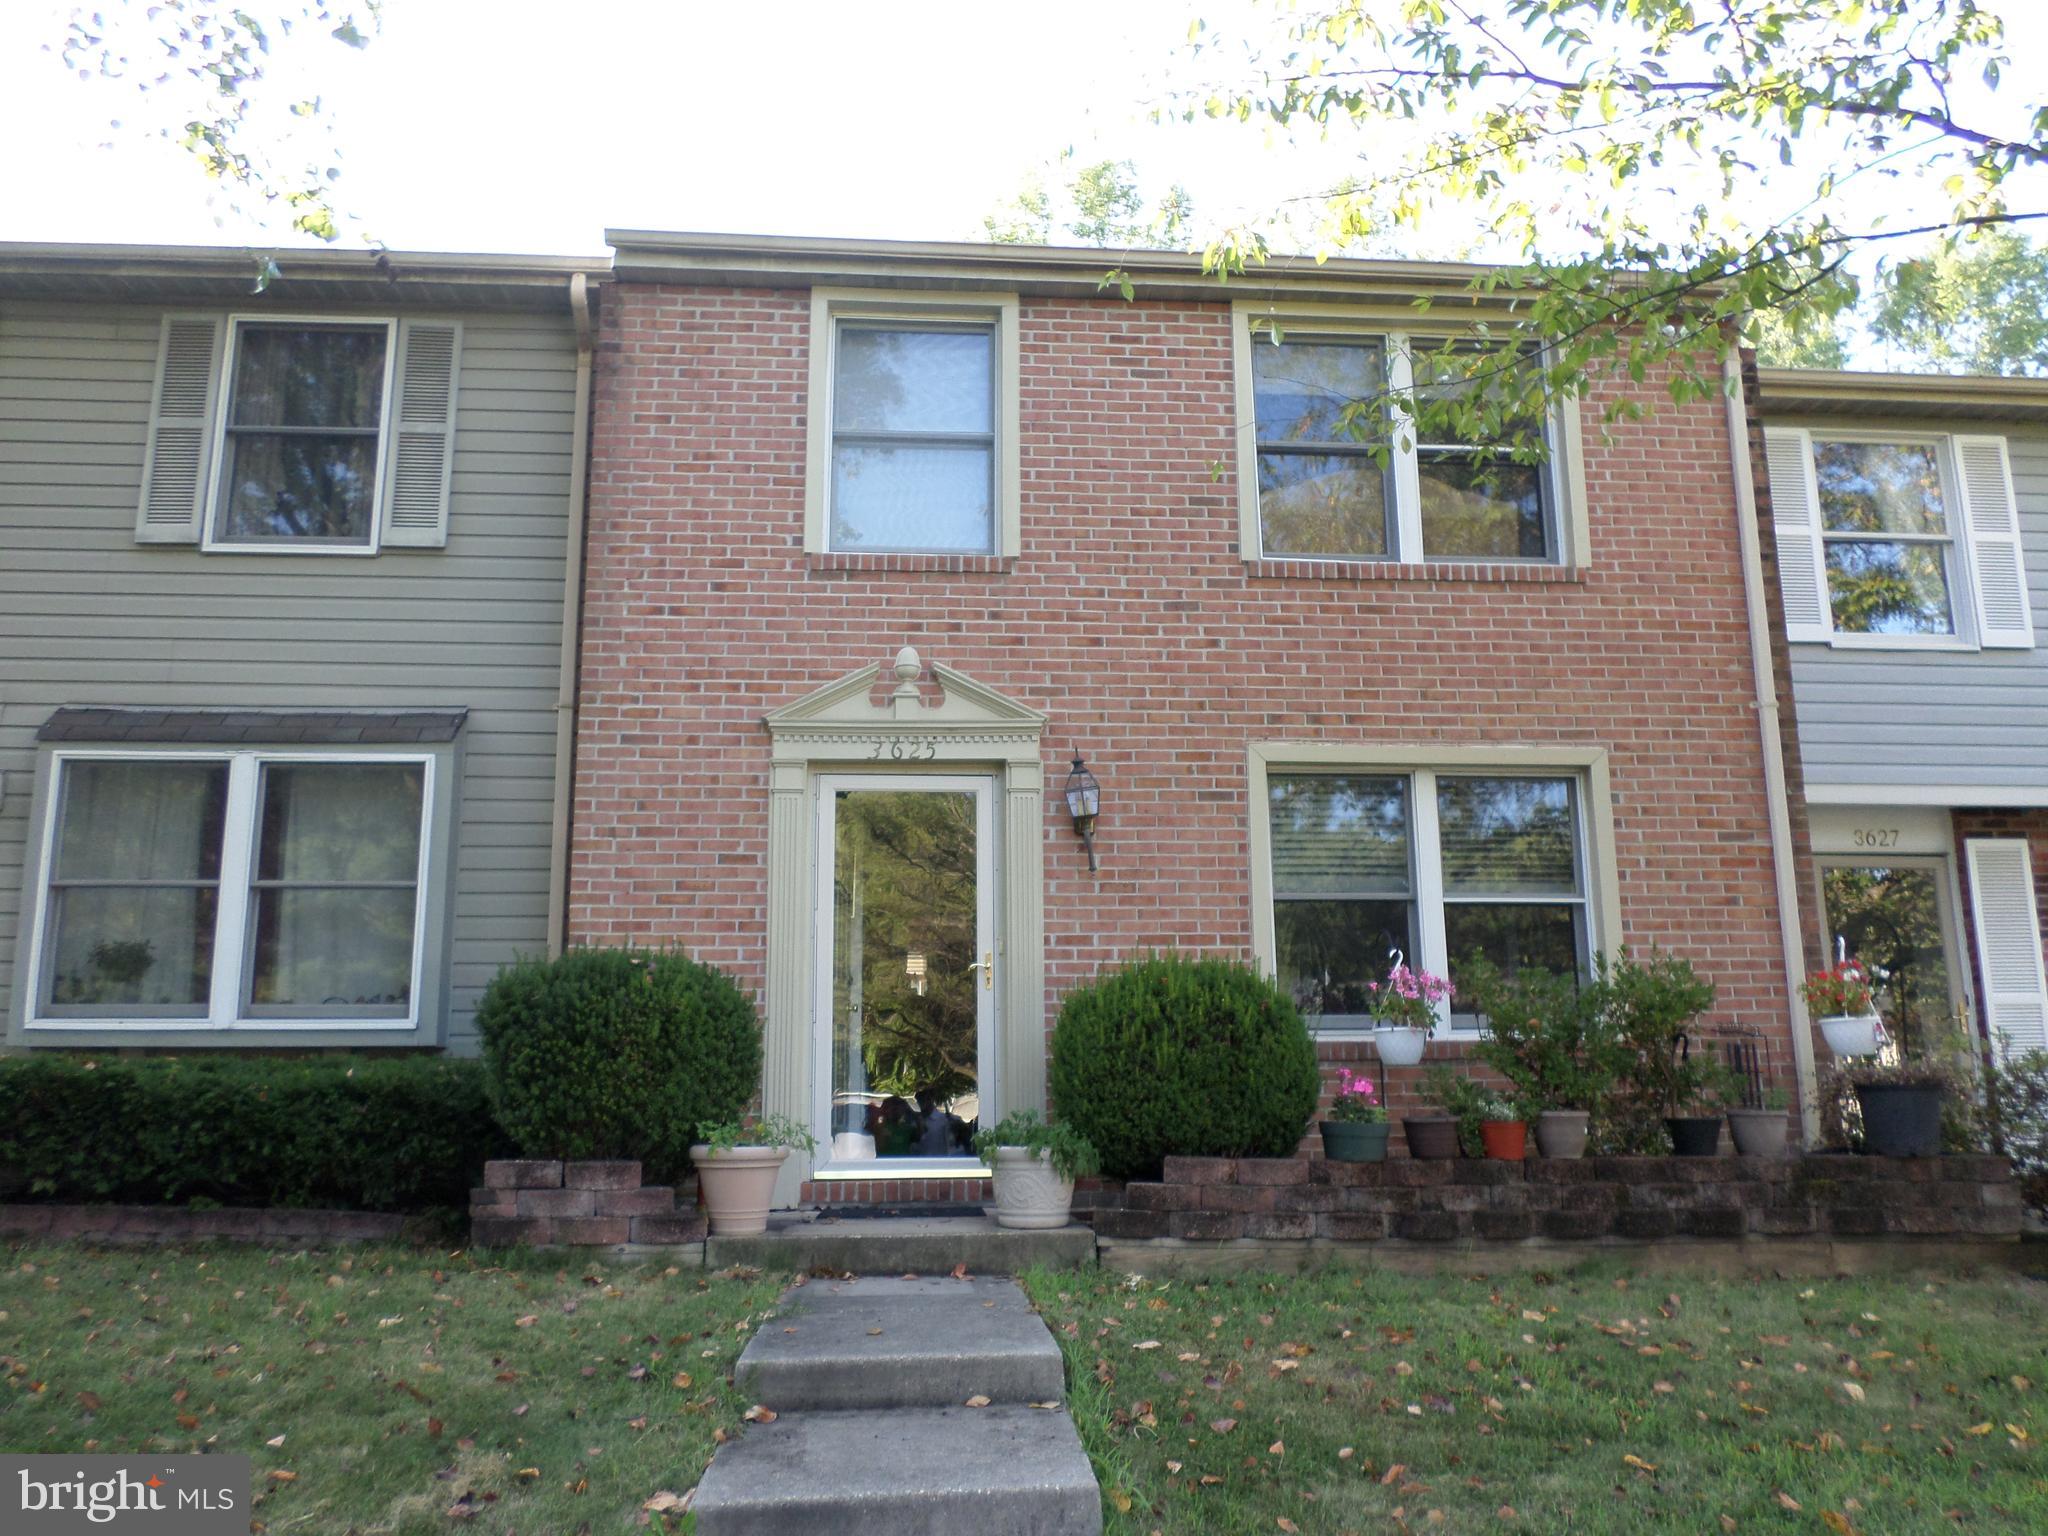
x=965 y=719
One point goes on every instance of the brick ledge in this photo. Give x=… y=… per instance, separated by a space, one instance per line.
x=1417 y=571
x=817 y=564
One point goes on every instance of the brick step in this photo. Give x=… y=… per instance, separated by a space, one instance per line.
x=890 y=1245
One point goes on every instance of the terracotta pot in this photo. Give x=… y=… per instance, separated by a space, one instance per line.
x=738 y=1185
x=1400 y=1045
x=1851 y=1034
x=1431 y=1137
x=1561 y=1132
x=1505 y=1141
x=1694 y=1135
x=1352 y=1141
x=1030 y=1194
x=1758 y=1132
x=1901 y=1119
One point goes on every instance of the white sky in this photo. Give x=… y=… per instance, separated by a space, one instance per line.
x=532 y=125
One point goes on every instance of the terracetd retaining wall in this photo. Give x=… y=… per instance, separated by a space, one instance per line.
x=547 y=1203
x=1279 y=1201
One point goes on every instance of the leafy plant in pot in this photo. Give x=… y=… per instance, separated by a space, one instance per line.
x=1551 y=1037
x=1503 y=1131
x=1034 y=1164
x=1841 y=998
x=1465 y=1105
x=737 y=1163
x=1670 y=1084
x=1355 y=1130
x=1900 y=1092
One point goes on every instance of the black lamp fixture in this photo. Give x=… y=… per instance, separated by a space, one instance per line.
x=1084 y=803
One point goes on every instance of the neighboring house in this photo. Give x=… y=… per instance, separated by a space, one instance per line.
x=282 y=576
x=1911 y=519
x=884 y=535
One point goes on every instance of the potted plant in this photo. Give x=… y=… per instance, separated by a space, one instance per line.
x=1034 y=1164
x=737 y=1163
x=1355 y=1130
x=1551 y=1037
x=1841 y=998
x=1695 y=1120
x=1502 y=1131
x=1671 y=1087
x=1456 y=1131
x=1403 y=1009
x=1900 y=1093
x=1760 y=1129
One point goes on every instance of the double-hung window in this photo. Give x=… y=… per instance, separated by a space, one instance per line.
x=913 y=426
x=1338 y=472
x=233 y=890
x=1440 y=865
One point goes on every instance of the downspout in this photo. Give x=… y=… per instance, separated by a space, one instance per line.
x=572 y=626
x=1782 y=868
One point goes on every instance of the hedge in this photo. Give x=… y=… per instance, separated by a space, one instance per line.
x=405 y=1133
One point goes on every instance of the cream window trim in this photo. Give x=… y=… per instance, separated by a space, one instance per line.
x=210 y=504
x=1565 y=467
x=832 y=306
x=1596 y=828
x=232 y=931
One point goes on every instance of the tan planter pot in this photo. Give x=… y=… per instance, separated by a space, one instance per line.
x=739 y=1186
x=1758 y=1132
x=1029 y=1194
x=1561 y=1132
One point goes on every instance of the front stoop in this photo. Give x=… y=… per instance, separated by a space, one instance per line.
x=869 y=1380
x=895 y=1245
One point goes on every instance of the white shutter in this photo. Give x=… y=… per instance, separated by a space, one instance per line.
x=181 y=412
x=1795 y=515
x=421 y=454
x=1991 y=518
x=2008 y=943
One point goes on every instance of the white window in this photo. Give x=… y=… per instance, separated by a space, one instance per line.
x=1439 y=864
x=233 y=890
x=1897 y=539
x=914 y=425
x=300 y=434
x=1336 y=473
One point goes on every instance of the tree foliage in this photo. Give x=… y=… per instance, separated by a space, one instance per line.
x=1666 y=122
x=1975 y=306
x=1099 y=203
x=205 y=73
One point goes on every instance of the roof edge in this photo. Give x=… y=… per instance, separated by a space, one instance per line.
x=1964 y=394
x=296 y=265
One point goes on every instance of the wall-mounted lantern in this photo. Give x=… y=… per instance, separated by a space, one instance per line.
x=1084 y=804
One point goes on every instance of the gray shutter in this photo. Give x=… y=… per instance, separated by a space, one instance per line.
x=2008 y=943
x=421 y=453
x=181 y=422
x=1795 y=517
x=1991 y=515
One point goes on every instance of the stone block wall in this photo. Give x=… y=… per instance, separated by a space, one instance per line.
x=541 y=1203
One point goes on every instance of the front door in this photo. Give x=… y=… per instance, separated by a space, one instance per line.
x=906 y=989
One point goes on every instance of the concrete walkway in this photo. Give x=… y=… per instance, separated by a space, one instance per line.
x=870 y=1381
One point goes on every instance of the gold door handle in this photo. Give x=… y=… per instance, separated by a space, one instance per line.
x=987 y=966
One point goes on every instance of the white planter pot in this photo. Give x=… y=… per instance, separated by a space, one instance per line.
x=739 y=1185
x=1851 y=1034
x=1029 y=1194
x=1400 y=1045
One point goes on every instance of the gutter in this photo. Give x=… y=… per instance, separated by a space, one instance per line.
x=572 y=625
x=1783 y=871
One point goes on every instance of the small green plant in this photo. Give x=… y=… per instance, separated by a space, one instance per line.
x=1464 y=1101
x=758 y=1131
x=1496 y=1107
x=1356 y=1101
x=1073 y=1155
x=1550 y=1035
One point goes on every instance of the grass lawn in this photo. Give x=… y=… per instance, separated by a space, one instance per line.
x=1587 y=1402
x=384 y=1390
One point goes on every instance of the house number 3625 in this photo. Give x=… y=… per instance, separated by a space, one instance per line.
x=906 y=749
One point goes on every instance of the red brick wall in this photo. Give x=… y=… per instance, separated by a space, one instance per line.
x=1129 y=618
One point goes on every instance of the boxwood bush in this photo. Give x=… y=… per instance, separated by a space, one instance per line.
x=617 y=1053
x=1179 y=1054
x=406 y=1133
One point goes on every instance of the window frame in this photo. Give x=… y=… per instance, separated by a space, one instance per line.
x=912 y=309
x=1959 y=564
x=1252 y=324
x=228 y=1009
x=1423 y=766
x=211 y=506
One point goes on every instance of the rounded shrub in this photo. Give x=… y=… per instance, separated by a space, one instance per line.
x=1188 y=1055
x=617 y=1053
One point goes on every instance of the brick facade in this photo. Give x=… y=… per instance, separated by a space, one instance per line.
x=1129 y=618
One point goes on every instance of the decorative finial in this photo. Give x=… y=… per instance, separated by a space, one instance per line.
x=908 y=666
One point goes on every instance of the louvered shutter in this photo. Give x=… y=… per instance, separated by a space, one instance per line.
x=181 y=411
x=1795 y=516
x=2004 y=607
x=2008 y=943
x=421 y=454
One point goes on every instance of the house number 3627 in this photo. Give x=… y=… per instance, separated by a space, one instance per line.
x=906 y=749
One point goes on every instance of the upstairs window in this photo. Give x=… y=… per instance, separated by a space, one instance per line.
x=1885 y=535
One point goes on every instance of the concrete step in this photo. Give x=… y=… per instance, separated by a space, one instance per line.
x=892 y=1245
x=997 y=1471
x=886 y=1342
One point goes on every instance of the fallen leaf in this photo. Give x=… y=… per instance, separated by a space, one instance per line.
x=188 y=1421
x=681 y=1379
x=1837 y=1522
x=1855 y=1392
x=1979 y=1429
x=664 y=1502
x=274 y=1441
x=1786 y=1501
x=960 y=1270
x=1346 y=1453
x=1146 y=1344
x=1638 y=1463
x=1223 y=1426
x=1173 y=1466
x=1728 y=1521
x=1393 y=1475
x=89 y=1401
x=434 y=1428
x=1285 y=1524
x=1277 y=1448
x=527 y=1321
x=528 y=1474
x=280 y=1475
x=977 y=1401
x=759 y=1415
x=1042 y=1405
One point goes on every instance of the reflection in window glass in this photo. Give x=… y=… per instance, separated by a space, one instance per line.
x=1513 y=891
x=304 y=409
x=1890 y=919
x=1478 y=502
x=913 y=447
x=1886 y=536
x=1342 y=888
x=1321 y=427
